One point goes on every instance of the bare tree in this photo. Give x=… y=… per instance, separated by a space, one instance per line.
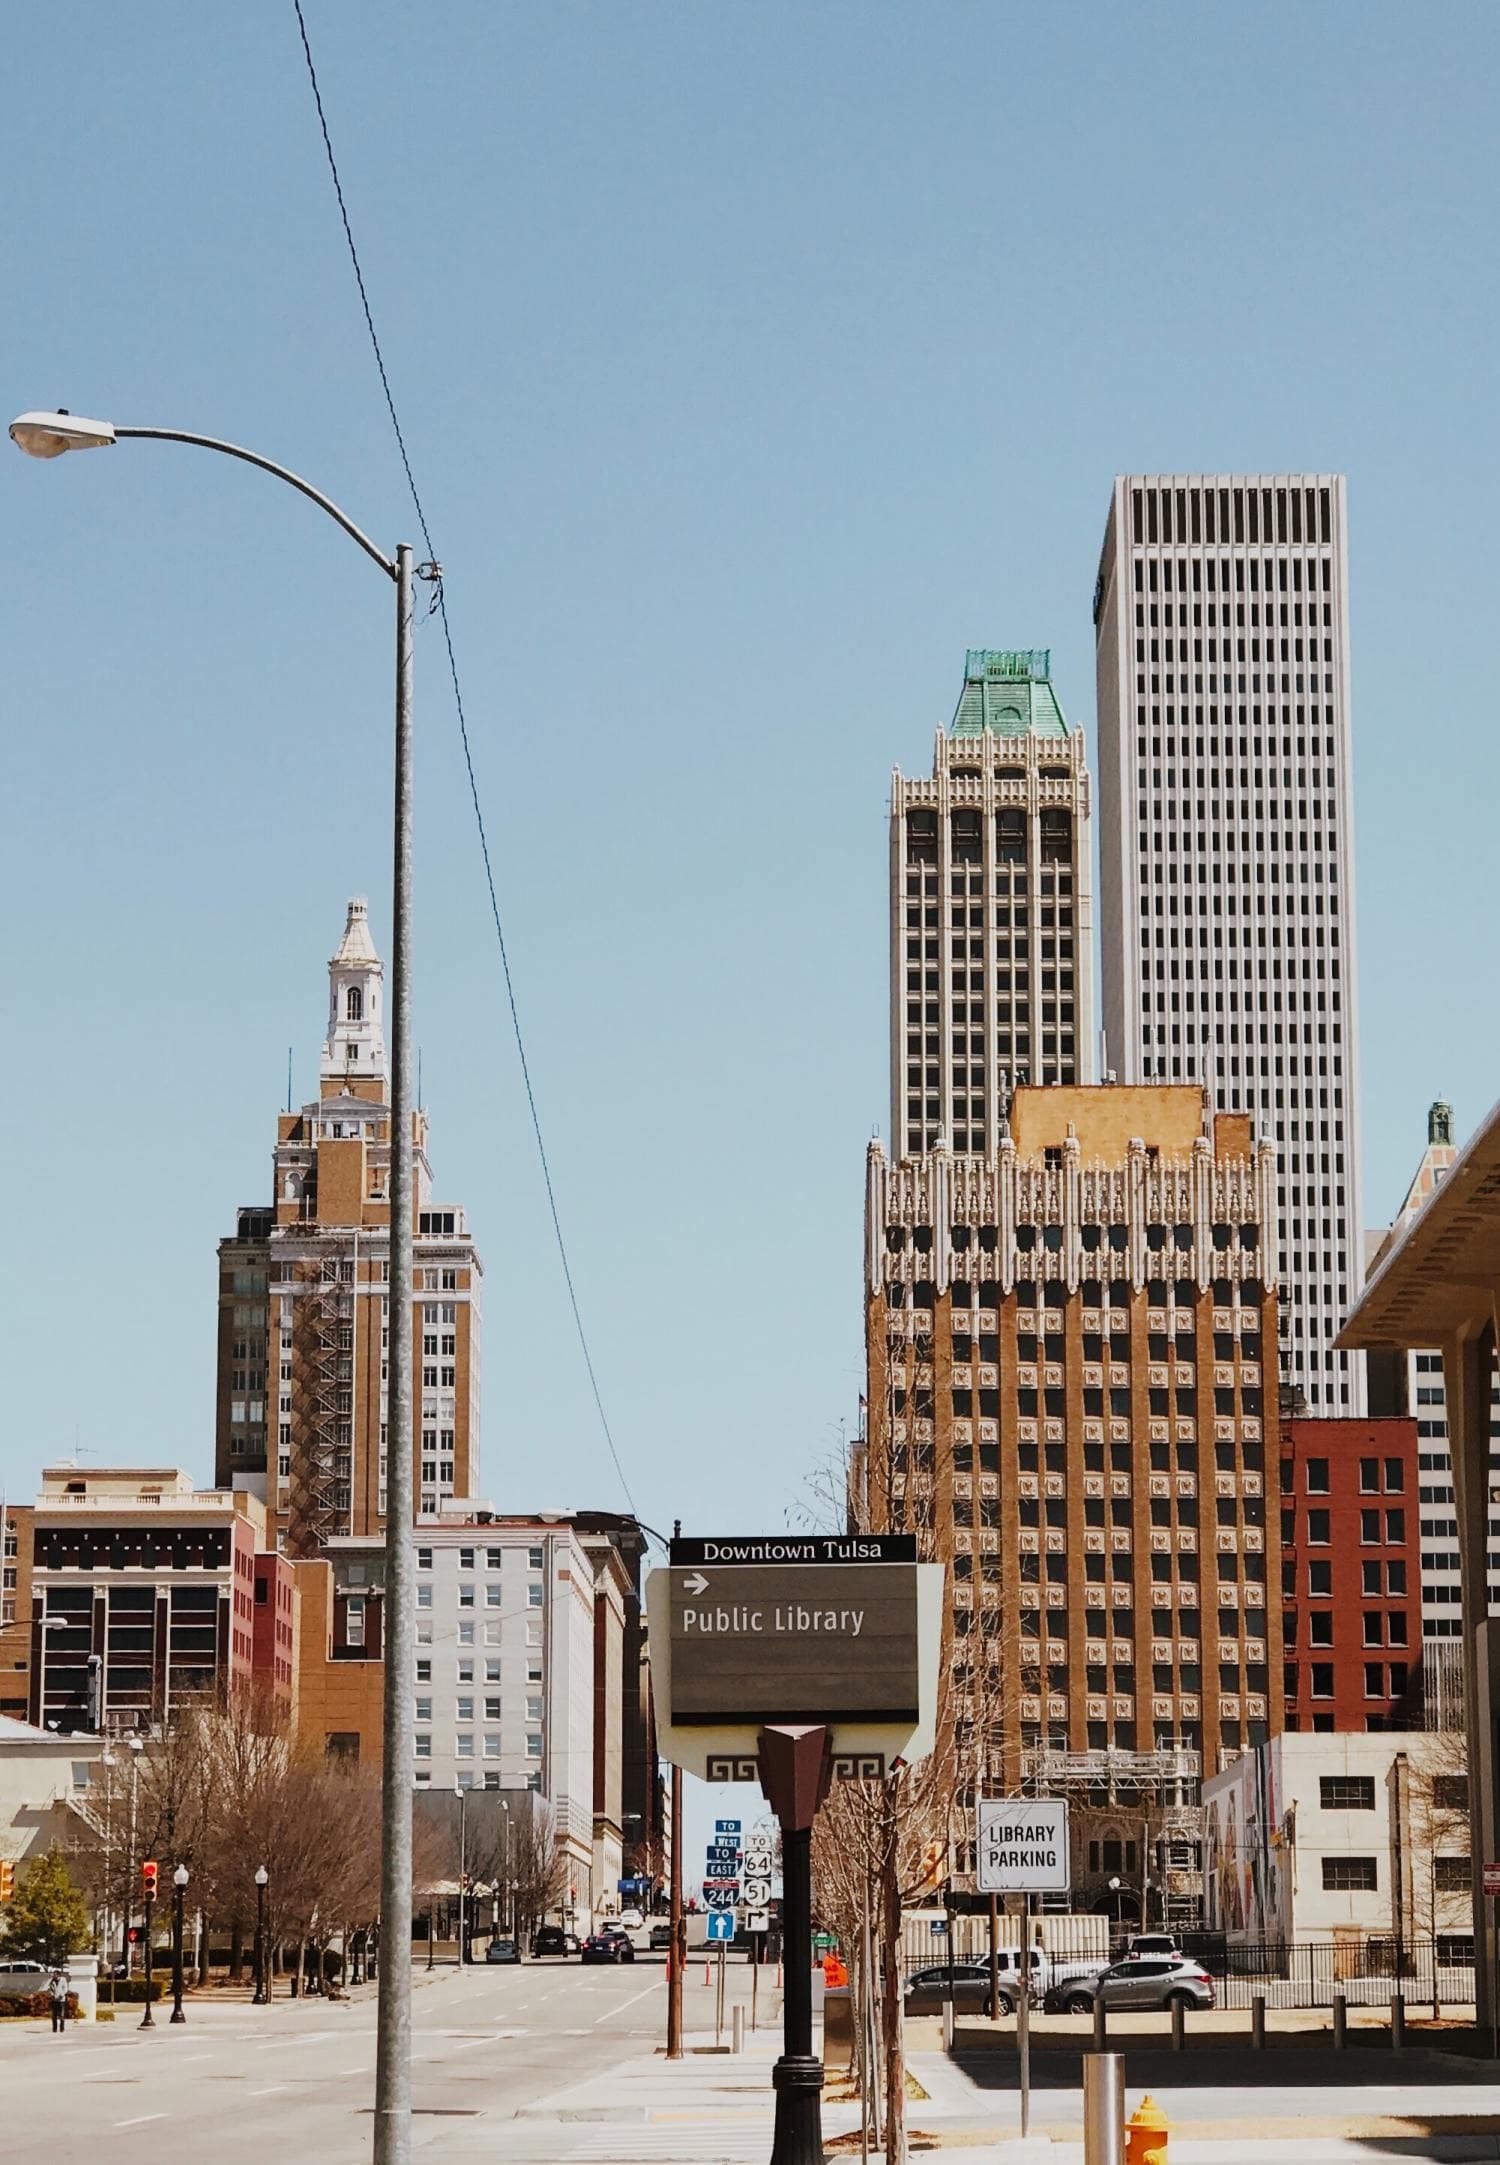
x=540 y=1868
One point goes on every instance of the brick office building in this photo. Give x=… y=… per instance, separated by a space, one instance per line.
x=15 y=1610
x=143 y=1596
x=1351 y=1573
x=303 y=1288
x=1066 y=1395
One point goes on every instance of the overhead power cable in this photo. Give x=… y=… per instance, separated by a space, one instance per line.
x=440 y=605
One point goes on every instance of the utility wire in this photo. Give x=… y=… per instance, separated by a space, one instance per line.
x=440 y=604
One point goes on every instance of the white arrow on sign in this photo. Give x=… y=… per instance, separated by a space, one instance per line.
x=697 y=1584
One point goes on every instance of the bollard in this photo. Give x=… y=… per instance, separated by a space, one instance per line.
x=1101 y=2023
x=1258 y=2022
x=1146 y=2135
x=739 y=2026
x=1398 y=2021
x=1103 y=2109
x=947 y=2025
x=1340 y=2022
x=1179 y=2025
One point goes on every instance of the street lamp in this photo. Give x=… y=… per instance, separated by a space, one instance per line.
x=46 y=436
x=179 y=1893
x=262 y=1881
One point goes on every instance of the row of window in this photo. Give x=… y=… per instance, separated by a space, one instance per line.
x=463 y=1745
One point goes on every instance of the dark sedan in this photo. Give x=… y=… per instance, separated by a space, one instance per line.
x=608 y=1947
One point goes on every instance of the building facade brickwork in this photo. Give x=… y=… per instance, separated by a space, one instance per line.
x=303 y=1291
x=1068 y=1397
x=1351 y=1573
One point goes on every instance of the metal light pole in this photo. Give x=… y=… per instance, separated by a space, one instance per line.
x=148 y=2020
x=103 y=1931
x=463 y=1859
x=46 y=436
x=179 y=1894
x=262 y=1881
x=136 y=1747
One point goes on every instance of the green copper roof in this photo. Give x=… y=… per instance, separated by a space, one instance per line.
x=1009 y=692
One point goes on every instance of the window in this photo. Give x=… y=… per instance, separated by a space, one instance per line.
x=1320 y=1627
x=424 y=1670
x=1369 y=1474
x=1450 y=1792
x=1317 y=1528
x=1452 y=1875
x=354 y=1005
x=491 y=1746
x=1349 y=1875
x=1374 y=1628
x=1346 y=1792
x=424 y=1597
x=1369 y=1525
x=464 y=1709
x=534 y=1745
x=423 y=1745
x=492 y=1709
x=534 y=1597
x=1322 y=1679
x=424 y=1710
x=466 y=1634
x=1395 y=1526
x=463 y=1746
x=1317 y=1477
x=492 y=1668
x=534 y=1559
x=492 y=1596
x=1320 y=1576
x=466 y=1594
x=533 y=1710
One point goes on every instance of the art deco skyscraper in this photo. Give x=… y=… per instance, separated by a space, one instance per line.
x=1226 y=849
x=303 y=1290
x=991 y=977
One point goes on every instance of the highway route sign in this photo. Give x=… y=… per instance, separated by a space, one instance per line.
x=721 y=1928
x=715 y=1898
x=1022 y=1845
x=759 y=1920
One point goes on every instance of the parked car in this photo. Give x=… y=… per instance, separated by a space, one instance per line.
x=20 y=1978
x=502 y=1950
x=1164 y=1945
x=551 y=1939
x=927 y=1990
x=631 y=1919
x=608 y=1946
x=661 y=1937
x=1138 y=1981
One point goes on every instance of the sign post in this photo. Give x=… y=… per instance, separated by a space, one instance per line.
x=793 y=1656
x=1021 y=1847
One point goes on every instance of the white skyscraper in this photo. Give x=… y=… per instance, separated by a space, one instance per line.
x=1226 y=848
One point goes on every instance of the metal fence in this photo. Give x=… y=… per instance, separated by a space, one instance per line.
x=1432 y=1973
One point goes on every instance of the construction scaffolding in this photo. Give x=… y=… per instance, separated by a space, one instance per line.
x=320 y=1484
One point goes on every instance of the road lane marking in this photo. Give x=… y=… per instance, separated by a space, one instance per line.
x=140 y=2119
x=623 y=2004
x=274 y=2090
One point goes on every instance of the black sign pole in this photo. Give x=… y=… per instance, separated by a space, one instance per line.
x=794 y=1769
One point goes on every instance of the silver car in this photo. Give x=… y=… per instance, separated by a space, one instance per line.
x=19 y=1979
x=1138 y=1981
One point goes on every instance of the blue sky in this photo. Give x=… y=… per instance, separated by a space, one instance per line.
x=754 y=361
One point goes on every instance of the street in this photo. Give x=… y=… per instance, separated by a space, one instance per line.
x=297 y=2079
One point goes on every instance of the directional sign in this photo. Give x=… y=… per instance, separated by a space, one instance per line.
x=806 y=1642
x=721 y=1928
x=1022 y=1845
x=796 y=1549
x=723 y=1827
x=759 y=1920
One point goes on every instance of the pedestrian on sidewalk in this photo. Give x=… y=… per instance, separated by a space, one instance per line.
x=57 y=2000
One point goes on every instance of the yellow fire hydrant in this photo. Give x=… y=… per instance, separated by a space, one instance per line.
x=1146 y=2135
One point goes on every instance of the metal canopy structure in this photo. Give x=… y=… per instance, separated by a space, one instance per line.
x=1437 y=1286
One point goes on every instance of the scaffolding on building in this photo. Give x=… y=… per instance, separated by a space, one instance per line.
x=1161 y=1786
x=320 y=1482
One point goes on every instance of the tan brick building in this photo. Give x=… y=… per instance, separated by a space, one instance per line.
x=303 y=1291
x=1065 y=1342
x=15 y=1609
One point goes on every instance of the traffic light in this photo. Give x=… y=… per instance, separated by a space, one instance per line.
x=7 y=1879
x=934 y=1857
x=148 y=1879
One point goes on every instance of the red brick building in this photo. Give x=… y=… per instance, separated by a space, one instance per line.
x=274 y=1631
x=1351 y=1573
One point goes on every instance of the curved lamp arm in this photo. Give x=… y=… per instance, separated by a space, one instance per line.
x=282 y=473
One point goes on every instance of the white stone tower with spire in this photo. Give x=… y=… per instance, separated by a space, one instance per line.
x=355 y=1045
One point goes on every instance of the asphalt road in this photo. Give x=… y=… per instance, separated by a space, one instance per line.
x=296 y=2080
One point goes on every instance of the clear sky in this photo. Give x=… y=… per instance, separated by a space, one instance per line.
x=755 y=361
